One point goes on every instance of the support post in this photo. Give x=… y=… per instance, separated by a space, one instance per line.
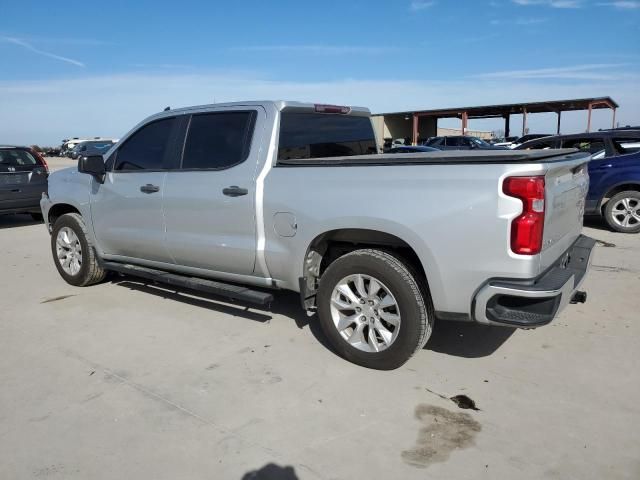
x=465 y=121
x=558 y=128
x=506 y=125
x=524 y=122
x=613 y=123
x=589 y=117
x=414 y=139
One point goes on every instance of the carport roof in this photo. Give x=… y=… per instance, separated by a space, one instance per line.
x=493 y=111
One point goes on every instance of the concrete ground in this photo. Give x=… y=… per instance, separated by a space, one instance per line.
x=128 y=380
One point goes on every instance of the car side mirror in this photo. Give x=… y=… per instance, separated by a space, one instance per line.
x=94 y=166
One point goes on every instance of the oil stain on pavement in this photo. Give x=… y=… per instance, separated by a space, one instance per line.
x=443 y=431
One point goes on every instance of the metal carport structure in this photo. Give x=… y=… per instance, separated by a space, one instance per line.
x=497 y=111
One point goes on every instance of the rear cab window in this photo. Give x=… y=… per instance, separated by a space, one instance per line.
x=323 y=135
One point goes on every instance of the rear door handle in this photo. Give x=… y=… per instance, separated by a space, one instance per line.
x=148 y=188
x=234 y=191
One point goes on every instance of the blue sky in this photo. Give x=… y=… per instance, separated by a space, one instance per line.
x=82 y=68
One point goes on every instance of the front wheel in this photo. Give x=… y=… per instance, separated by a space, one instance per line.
x=622 y=212
x=373 y=309
x=73 y=253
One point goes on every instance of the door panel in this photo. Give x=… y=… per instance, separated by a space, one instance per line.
x=127 y=221
x=206 y=227
x=127 y=208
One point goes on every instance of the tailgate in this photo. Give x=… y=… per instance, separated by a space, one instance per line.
x=566 y=185
x=22 y=185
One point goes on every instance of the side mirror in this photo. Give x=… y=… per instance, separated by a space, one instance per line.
x=94 y=166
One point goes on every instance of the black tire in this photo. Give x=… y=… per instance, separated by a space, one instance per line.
x=90 y=271
x=413 y=299
x=609 y=215
x=37 y=216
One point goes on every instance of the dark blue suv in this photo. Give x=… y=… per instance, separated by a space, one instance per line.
x=614 y=173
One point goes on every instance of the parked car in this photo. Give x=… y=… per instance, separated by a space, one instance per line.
x=519 y=141
x=460 y=142
x=93 y=147
x=285 y=195
x=614 y=171
x=412 y=149
x=23 y=179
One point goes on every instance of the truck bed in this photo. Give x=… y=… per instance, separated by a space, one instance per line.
x=440 y=158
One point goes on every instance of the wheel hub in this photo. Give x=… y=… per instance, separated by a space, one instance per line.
x=365 y=312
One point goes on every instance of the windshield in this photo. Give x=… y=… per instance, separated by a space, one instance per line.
x=100 y=145
x=479 y=142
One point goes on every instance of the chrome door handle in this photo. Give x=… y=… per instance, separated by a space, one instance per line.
x=234 y=191
x=148 y=188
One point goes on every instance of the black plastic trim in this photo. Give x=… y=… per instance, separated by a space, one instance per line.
x=228 y=290
x=522 y=311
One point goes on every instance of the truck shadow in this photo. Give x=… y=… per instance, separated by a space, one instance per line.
x=596 y=222
x=460 y=339
x=16 y=221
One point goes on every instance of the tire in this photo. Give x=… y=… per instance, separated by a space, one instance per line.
x=622 y=212
x=37 y=216
x=89 y=271
x=413 y=309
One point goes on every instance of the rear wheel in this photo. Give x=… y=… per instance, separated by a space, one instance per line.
x=622 y=212
x=373 y=309
x=73 y=254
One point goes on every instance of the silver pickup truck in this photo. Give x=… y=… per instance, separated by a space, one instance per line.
x=238 y=199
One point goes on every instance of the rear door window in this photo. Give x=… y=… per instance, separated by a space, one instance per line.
x=145 y=149
x=218 y=140
x=321 y=135
x=627 y=145
x=453 y=142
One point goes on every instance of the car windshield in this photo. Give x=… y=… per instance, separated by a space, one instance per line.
x=100 y=145
x=479 y=142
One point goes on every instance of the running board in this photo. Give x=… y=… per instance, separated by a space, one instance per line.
x=234 y=292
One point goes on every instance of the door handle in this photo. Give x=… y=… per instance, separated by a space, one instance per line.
x=234 y=191
x=148 y=188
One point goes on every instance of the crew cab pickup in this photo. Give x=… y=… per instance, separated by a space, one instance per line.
x=238 y=199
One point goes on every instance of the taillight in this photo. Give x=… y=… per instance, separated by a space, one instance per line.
x=332 y=109
x=41 y=158
x=527 y=228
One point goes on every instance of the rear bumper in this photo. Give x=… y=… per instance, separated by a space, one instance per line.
x=534 y=302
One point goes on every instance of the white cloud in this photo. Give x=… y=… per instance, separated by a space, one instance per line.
x=551 y=3
x=594 y=71
x=417 y=5
x=318 y=49
x=46 y=111
x=621 y=5
x=31 y=48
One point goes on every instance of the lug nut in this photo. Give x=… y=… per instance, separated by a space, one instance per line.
x=363 y=318
x=362 y=302
x=358 y=309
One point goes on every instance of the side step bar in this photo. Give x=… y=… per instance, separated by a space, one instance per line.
x=234 y=292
